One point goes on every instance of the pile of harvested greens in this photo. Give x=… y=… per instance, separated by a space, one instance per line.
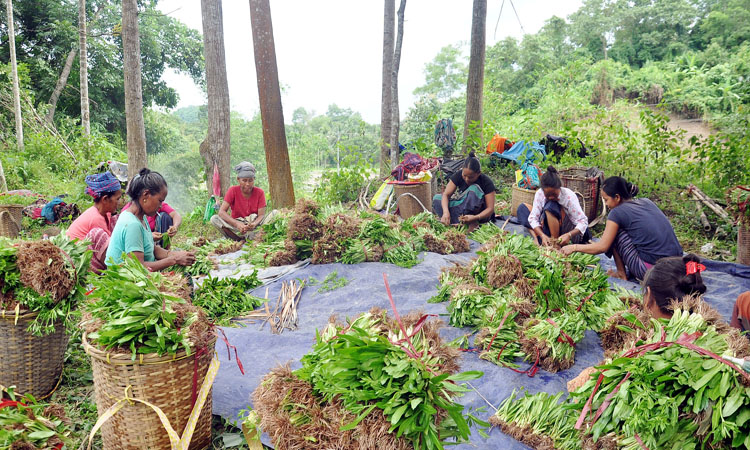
x=226 y=298
x=328 y=235
x=671 y=387
x=28 y=424
x=373 y=382
x=128 y=312
x=47 y=277
x=526 y=300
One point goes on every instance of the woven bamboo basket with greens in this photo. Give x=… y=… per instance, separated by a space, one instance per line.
x=31 y=363
x=164 y=381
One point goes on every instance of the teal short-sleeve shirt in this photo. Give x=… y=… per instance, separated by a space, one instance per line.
x=130 y=235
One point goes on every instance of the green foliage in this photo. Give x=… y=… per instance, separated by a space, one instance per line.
x=343 y=185
x=331 y=282
x=226 y=298
x=29 y=422
x=363 y=368
x=136 y=315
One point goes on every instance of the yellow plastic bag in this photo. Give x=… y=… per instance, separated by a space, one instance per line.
x=421 y=176
x=381 y=196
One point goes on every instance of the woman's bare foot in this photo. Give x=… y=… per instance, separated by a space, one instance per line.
x=617 y=274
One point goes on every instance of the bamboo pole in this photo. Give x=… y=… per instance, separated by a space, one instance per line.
x=706 y=200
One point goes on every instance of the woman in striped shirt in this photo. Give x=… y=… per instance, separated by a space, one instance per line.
x=556 y=213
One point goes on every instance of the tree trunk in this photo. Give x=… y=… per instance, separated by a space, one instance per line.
x=3 y=184
x=395 y=117
x=131 y=52
x=604 y=45
x=215 y=149
x=14 y=75
x=84 y=68
x=61 y=82
x=386 y=108
x=272 y=117
x=475 y=84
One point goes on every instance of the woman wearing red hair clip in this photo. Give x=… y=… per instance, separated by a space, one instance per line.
x=671 y=279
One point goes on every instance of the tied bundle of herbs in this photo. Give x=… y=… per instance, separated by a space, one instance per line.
x=45 y=277
x=362 y=250
x=426 y=221
x=539 y=421
x=398 y=370
x=129 y=313
x=484 y=233
x=447 y=281
x=226 y=298
x=551 y=343
x=472 y=306
x=738 y=203
x=28 y=424
x=498 y=343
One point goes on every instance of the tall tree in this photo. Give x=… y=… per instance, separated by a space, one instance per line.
x=14 y=75
x=269 y=94
x=475 y=84
x=386 y=98
x=61 y=82
x=215 y=149
x=395 y=118
x=83 y=60
x=131 y=52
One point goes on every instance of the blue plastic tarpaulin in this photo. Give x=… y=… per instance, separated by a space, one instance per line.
x=523 y=151
x=260 y=351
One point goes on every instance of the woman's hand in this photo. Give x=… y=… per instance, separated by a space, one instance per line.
x=564 y=239
x=446 y=219
x=546 y=242
x=468 y=218
x=183 y=258
x=568 y=250
x=156 y=235
x=172 y=231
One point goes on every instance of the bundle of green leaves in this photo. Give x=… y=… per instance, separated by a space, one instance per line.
x=362 y=250
x=674 y=389
x=375 y=363
x=446 y=283
x=226 y=298
x=130 y=313
x=38 y=297
x=484 y=233
x=498 y=343
x=424 y=219
x=26 y=423
x=473 y=307
x=551 y=342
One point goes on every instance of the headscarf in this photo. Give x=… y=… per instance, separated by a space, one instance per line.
x=245 y=170
x=101 y=183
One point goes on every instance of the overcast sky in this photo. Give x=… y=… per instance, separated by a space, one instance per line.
x=330 y=51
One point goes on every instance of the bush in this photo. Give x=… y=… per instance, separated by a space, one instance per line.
x=344 y=184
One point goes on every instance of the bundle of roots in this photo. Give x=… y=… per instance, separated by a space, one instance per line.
x=525 y=288
x=468 y=289
x=295 y=418
x=282 y=258
x=459 y=271
x=306 y=206
x=457 y=240
x=524 y=434
x=343 y=226
x=436 y=245
x=326 y=250
x=175 y=284
x=229 y=248
x=503 y=270
x=304 y=226
x=45 y=269
x=615 y=339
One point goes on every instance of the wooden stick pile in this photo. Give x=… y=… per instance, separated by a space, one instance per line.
x=284 y=315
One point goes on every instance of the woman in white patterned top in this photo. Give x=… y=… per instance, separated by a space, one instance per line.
x=556 y=213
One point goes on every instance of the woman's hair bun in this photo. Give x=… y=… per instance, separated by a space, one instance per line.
x=472 y=154
x=632 y=188
x=551 y=169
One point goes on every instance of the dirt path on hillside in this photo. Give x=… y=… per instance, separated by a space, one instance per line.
x=692 y=127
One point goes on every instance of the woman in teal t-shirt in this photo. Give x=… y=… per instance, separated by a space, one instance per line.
x=132 y=234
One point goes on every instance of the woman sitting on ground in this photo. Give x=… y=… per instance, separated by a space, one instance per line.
x=165 y=221
x=670 y=279
x=247 y=203
x=637 y=233
x=475 y=202
x=96 y=223
x=556 y=213
x=132 y=234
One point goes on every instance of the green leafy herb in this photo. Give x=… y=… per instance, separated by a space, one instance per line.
x=226 y=298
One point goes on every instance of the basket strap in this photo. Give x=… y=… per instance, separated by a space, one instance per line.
x=176 y=442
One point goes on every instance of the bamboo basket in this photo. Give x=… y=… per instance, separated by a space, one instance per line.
x=31 y=363
x=743 y=242
x=164 y=381
x=575 y=179
x=11 y=220
x=407 y=195
x=520 y=195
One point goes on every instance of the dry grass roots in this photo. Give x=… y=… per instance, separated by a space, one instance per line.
x=503 y=270
x=44 y=269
